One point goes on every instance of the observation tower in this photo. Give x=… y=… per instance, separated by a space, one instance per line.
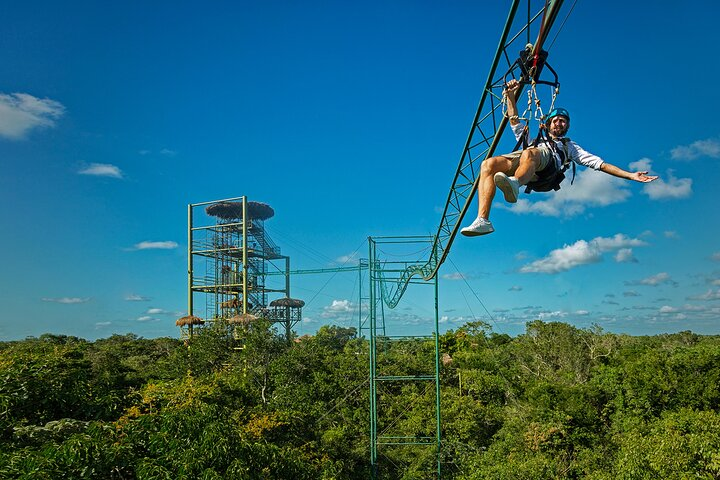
x=230 y=255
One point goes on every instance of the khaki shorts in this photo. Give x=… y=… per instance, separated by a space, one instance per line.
x=546 y=156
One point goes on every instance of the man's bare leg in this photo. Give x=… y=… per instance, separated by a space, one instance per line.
x=486 y=186
x=510 y=185
x=486 y=193
x=529 y=162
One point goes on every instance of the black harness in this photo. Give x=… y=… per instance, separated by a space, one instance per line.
x=549 y=178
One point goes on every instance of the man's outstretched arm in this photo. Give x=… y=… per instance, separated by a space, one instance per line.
x=641 y=177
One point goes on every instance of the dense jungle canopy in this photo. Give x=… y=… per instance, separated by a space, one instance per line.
x=554 y=402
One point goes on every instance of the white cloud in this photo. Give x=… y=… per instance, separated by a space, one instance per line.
x=580 y=253
x=147 y=245
x=701 y=148
x=642 y=165
x=555 y=314
x=454 y=276
x=582 y=312
x=20 y=113
x=409 y=319
x=709 y=295
x=653 y=280
x=671 y=188
x=101 y=170
x=515 y=288
x=102 y=324
x=625 y=255
x=562 y=259
x=166 y=152
x=67 y=300
x=662 y=188
x=716 y=256
x=338 y=308
x=146 y=318
x=617 y=241
x=631 y=293
x=136 y=298
x=668 y=309
x=157 y=311
x=694 y=308
x=521 y=255
x=590 y=189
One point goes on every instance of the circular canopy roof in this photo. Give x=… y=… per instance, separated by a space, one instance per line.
x=233 y=210
x=243 y=318
x=287 y=302
x=189 y=320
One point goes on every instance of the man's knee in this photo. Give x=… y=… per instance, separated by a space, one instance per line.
x=530 y=152
x=493 y=165
x=532 y=155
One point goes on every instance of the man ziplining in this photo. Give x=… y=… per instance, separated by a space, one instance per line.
x=538 y=165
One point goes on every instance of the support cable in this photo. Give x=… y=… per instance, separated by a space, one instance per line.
x=563 y=24
x=407 y=408
x=344 y=399
x=487 y=344
x=474 y=293
x=334 y=274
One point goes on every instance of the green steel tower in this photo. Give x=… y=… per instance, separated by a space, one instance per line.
x=229 y=257
x=393 y=385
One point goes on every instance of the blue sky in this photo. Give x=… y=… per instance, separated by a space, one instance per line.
x=349 y=121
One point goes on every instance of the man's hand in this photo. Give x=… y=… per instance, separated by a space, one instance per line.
x=512 y=87
x=510 y=93
x=643 y=177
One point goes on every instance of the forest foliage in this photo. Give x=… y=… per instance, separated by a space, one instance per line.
x=555 y=402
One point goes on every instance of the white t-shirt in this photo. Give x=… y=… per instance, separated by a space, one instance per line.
x=576 y=153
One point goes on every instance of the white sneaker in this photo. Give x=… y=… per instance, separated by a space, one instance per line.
x=480 y=226
x=509 y=186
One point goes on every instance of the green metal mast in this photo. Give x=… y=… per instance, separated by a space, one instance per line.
x=385 y=432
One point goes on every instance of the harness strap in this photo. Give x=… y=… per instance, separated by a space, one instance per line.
x=564 y=156
x=563 y=153
x=542 y=137
x=551 y=176
x=522 y=144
